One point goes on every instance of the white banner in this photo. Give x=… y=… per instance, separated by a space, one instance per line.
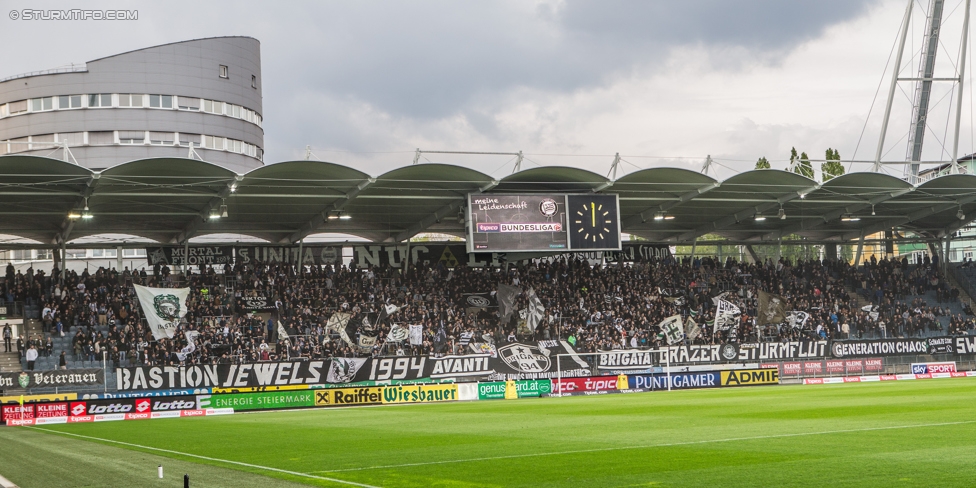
x=416 y=335
x=726 y=314
x=163 y=308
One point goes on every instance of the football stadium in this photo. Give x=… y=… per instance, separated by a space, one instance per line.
x=178 y=311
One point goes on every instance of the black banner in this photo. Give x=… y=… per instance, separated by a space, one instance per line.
x=477 y=300
x=635 y=359
x=511 y=361
x=219 y=255
x=942 y=345
x=450 y=254
x=177 y=255
x=256 y=304
x=52 y=379
x=965 y=345
x=880 y=347
x=638 y=252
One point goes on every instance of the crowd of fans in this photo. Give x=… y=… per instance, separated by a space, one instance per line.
x=593 y=307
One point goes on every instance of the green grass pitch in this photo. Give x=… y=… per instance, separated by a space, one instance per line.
x=891 y=434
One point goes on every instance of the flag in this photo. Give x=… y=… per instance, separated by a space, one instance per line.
x=465 y=338
x=190 y=345
x=416 y=335
x=338 y=323
x=397 y=334
x=671 y=327
x=536 y=310
x=366 y=341
x=283 y=334
x=343 y=370
x=477 y=300
x=726 y=314
x=772 y=309
x=797 y=319
x=506 y=296
x=385 y=311
x=163 y=308
x=692 y=331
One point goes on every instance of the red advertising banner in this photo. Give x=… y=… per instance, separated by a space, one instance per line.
x=48 y=410
x=874 y=364
x=854 y=365
x=835 y=367
x=17 y=412
x=592 y=383
x=813 y=367
x=791 y=368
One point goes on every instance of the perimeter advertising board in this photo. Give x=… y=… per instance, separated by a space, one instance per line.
x=259 y=401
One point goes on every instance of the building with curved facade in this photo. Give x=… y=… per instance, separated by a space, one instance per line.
x=199 y=99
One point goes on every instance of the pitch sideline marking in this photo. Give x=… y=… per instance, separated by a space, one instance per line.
x=672 y=444
x=5 y=483
x=239 y=463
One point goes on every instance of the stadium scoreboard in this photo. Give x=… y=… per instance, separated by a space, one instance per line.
x=543 y=222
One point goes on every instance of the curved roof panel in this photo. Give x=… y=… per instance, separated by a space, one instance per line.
x=173 y=199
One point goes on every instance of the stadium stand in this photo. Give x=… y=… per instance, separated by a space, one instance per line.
x=594 y=307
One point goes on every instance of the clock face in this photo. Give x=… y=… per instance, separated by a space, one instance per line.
x=593 y=222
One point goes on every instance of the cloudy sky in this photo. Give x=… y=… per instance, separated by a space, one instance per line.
x=566 y=82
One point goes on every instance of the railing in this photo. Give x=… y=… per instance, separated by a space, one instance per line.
x=11 y=309
x=71 y=69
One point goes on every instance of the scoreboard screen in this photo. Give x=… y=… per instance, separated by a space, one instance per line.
x=515 y=223
x=541 y=222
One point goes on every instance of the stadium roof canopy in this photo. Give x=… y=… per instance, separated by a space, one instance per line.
x=170 y=200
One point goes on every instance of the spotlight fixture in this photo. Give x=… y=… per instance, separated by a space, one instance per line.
x=223 y=210
x=669 y=217
x=960 y=215
x=850 y=218
x=872 y=210
x=86 y=214
x=343 y=216
x=760 y=217
x=333 y=215
x=781 y=214
x=659 y=215
x=214 y=214
x=74 y=215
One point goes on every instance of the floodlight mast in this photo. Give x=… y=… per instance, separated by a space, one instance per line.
x=923 y=87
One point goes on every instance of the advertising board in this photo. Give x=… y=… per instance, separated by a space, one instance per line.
x=749 y=377
x=258 y=401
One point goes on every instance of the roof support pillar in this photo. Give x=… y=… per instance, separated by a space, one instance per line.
x=860 y=249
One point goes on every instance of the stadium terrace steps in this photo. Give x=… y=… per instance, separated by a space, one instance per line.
x=9 y=361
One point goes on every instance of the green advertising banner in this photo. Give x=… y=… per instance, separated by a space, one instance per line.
x=495 y=390
x=260 y=401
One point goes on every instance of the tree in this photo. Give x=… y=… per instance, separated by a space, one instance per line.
x=831 y=167
x=801 y=164
x=763 y=163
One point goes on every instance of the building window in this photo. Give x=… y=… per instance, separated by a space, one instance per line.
x=188 y=103
x=233 y=146
x=45 y=254
x=187 y=139
x=132 y=137
x=42 y=104
x=161 y=101
x=161 y=138
x=133 y=253
x=254 y=81
x=105 y=253
x=19 y=144
x=18 y=107
x=72 y=138
x=103 y=138
x=21 y=255
x=74 y=253
x=130 y=100
x=45 y=141
x=211 y=142
x=99 y=100
x=223 y=71
x=69 y=101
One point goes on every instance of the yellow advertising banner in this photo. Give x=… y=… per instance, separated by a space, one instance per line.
x=749 y=377
x=61 y=397
x=420 y=393
x=337 y=397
